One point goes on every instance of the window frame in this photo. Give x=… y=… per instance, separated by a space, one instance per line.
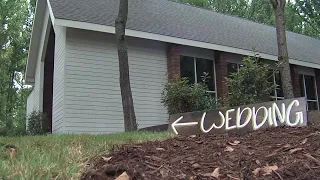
x=305 y=90
x=276 y=97
x=195 y=71
x=239 y=65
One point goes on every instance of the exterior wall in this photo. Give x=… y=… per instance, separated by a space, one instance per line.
x=232 y=58
x=37 y=88
x=92 y=89
x=222 y=72
x=317 y=74
x=35 y=99
x=295 y=80
x=221 y=60
x=30 y=103
x=306 y=71
x=196 y=52
x=173 y=62
x=58 y=104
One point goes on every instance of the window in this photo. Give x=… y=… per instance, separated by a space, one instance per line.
x=277 y=93
x=233 y=67
x=194 y=69
x=308 y=89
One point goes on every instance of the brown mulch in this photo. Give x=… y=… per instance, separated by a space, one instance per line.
x=294 y=153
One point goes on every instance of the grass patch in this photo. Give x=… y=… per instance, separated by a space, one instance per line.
x=60 y=156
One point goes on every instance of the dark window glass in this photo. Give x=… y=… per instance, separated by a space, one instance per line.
x=278 y=84
x=301 y=85
x=310 y=87
x=312 y=105
x=187 y=68
x=205 y=66
x=232 y=68
x=271 y=80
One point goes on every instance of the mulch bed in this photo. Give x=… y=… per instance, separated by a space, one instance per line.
x=277 y=153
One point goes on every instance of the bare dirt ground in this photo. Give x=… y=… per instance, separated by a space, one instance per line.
x=277 y=153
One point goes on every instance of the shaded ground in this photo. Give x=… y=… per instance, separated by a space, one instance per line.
x=277 y=153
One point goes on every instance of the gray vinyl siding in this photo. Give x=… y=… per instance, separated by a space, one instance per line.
x=58 y=106
x=92 y=94
x=35 y=98
x=30 y=104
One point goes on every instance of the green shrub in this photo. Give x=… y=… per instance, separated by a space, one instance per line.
x=35 y=124
x=180 y=97
x=251 y=84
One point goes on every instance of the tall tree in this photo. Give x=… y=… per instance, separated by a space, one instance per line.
x=301 y=17
x=130 y=123
x=309 y=11
x=15 y=26
x=283 y=57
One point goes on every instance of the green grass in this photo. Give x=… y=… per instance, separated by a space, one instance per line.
x=60 y=156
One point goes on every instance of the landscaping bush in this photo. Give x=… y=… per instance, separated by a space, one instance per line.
x=180 y=96
x=35 y=125
x=251 y=84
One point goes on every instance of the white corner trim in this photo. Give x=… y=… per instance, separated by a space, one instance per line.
x=51 y=12
x=168 y=39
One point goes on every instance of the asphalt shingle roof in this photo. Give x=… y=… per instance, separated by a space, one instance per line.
x=173 y=19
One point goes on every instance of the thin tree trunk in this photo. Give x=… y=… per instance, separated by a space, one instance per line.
x=283 y=57
x=126 y=94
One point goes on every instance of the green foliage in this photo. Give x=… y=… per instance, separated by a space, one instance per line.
x=309 y=12
x=35 y=123
x=15 y=27
x=301 y=17
x=251 y=85
x=180 y=97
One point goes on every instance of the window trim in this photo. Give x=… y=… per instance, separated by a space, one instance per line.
x=195 y=71
x=238 y=66
x=305 y=90
x=276 y=97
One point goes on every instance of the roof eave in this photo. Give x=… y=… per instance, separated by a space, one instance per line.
x=34 y=42
x=169 y=39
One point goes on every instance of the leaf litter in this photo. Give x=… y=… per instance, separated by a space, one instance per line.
x=275 y=153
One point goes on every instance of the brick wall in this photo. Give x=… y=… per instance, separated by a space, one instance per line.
x=173 y=62
x=221 y=74
x=173 y=65
x=295 y=80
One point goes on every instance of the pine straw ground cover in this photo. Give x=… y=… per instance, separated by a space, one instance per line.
x=59 y=156
x=277 y=153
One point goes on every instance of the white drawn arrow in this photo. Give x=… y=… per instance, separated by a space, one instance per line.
x=175 y=124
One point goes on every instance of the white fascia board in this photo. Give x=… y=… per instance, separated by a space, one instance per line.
x=43 y=14
x=51 y=13
x=34 y=41
x=168 y=39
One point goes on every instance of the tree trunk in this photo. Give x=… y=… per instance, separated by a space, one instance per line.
x=126 y=94
x=284 y=66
